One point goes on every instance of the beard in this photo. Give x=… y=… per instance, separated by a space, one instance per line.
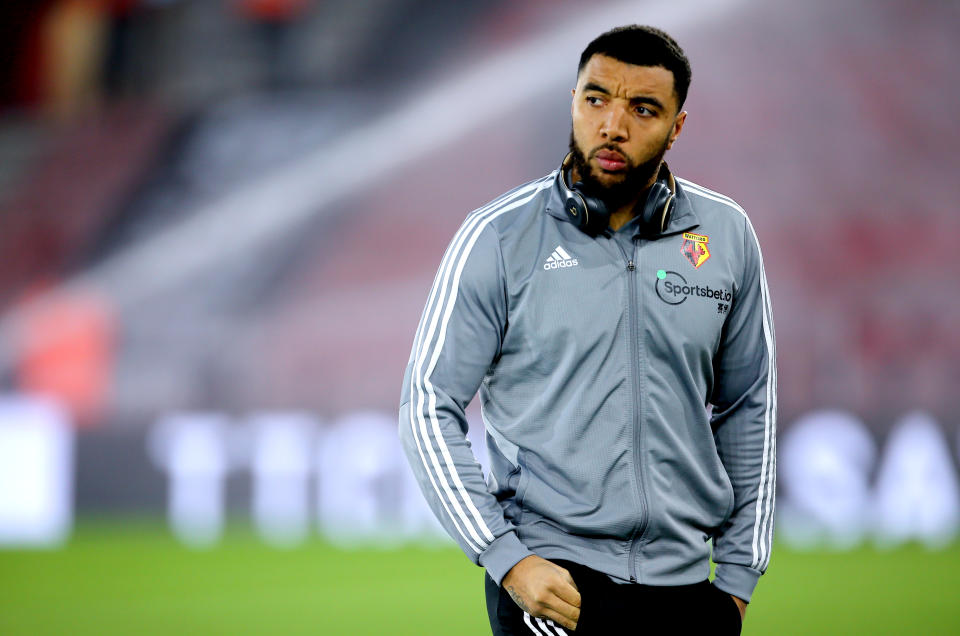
x=636 y=177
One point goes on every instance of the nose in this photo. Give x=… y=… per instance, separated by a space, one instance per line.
x=614 y=125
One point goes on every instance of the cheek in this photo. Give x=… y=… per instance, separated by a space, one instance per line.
x=581 y=131
x=586 y=118
x=652 y=140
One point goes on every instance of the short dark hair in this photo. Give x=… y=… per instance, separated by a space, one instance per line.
x=643 y=46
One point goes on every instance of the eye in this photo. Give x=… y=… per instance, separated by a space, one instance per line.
x=593 y=100
x=643 y=111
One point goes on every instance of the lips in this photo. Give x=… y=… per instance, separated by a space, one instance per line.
x=610 y=160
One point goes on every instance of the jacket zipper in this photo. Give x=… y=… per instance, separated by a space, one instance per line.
x=635 y=368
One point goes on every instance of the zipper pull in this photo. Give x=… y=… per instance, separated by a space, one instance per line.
x=631 y=266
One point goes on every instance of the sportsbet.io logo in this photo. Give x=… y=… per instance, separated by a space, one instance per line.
x=673 y=289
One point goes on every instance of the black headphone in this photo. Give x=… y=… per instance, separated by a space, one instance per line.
x=590 y=214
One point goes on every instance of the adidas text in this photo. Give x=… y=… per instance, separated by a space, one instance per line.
x=560 y=259
x=570 y=262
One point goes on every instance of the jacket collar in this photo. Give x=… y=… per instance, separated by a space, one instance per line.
x=683 y=218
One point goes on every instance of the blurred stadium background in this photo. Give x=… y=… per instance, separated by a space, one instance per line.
x=219 y=220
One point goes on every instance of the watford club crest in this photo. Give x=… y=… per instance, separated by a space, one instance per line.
x=695 y=248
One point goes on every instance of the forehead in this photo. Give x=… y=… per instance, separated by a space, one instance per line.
x=628 y=80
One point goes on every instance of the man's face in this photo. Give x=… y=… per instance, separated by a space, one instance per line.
x=624 y=120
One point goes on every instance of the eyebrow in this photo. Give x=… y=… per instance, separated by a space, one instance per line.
x=591 y=86
x=653 y=101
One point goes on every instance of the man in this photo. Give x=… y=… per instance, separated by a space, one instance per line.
x=600 y=310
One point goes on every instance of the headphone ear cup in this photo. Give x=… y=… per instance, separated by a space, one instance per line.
x=588 y=213
x=576 y=209
x=658 y=208
x=596 y=217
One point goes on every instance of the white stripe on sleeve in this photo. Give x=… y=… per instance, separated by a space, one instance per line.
x=438 y=282
x=763 y=523
x=458 y=253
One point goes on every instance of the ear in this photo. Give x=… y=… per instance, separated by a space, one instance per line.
x=573 y=96
x=677 y=127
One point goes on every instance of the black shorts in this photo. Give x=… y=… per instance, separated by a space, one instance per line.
x=611 y=608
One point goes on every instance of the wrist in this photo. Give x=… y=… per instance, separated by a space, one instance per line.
x=741 y=605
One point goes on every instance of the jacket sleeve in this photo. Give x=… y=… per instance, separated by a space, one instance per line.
x=744 y=424
x=457 y=341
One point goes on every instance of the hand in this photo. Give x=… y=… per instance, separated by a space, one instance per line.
x=741 y=605
x=544 y=590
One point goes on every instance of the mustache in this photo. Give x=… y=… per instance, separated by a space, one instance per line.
x=613 y=147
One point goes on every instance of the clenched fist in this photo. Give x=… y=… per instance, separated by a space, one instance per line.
x=544 y=590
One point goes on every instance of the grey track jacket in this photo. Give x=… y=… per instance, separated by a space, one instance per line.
x=596 y=360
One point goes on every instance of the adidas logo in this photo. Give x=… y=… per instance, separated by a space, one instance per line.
x=560 y=259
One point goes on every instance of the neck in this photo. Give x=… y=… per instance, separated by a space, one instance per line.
x=624 y=214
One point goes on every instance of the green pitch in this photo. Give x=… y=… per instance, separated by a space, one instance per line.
x=133 y=578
